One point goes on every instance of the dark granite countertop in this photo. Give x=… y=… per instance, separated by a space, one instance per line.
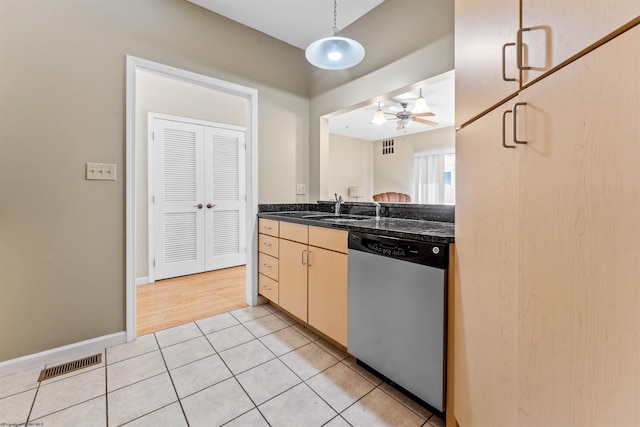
x=428 y=231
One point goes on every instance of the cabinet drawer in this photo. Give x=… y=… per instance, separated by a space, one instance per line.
x=268 y=265
x=268 y=245
x=294 y=232
x=268 y=288
x=329 y=238
x=268 y=226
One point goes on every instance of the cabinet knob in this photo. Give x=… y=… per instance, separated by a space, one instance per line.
x=199 y=206
x=209 y=206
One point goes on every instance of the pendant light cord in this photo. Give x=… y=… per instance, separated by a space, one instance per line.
x=335 y=17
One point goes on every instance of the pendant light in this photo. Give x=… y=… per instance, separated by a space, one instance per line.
x=379 y=117
x=420 y=105
x=335 y=53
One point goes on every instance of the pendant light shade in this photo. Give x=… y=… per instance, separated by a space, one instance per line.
x=379 y=117
x=335 y=53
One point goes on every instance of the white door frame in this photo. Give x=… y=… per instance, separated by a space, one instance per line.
x=251 y=95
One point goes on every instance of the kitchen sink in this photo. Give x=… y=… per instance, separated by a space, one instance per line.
x=338 y=218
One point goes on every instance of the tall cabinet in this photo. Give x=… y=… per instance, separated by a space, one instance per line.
x=547 y=265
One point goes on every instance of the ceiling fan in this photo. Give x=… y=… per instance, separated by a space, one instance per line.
x=404 y=118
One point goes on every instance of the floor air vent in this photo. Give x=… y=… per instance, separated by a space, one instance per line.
x=65 y=368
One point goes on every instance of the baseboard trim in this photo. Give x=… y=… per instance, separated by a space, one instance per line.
x=142 y=281
x=56 y=356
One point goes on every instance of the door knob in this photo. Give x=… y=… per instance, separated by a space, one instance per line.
x=209 y=205
x=199 y=206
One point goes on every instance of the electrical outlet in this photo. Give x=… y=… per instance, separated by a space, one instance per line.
x=300 y=189
x=101 y=171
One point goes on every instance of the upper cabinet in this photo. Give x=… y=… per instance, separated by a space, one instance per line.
x=554 y=31
x=484 y=32
x=503 y=45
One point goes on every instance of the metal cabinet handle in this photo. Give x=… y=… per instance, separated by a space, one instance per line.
x=266 y=265
x=309 y=258
x=199 y=206
x=504 y=144
x=504 y=66
x=515 y=136
x=302 y=260
x=266 y=244
x=209 y=205
x=519 y=49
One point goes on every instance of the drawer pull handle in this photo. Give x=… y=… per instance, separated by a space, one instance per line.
x=504 y=144
x=266 y=244
x=504 y=72
x=519 y=63
x=267 y=227
x=515 y=136
x=266 y=265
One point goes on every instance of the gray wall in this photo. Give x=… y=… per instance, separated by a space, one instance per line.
x=62 y=104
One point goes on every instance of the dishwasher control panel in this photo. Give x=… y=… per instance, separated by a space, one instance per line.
x=426 y=253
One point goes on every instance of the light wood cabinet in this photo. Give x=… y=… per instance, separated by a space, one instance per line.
x=485 y=268
x=481 y=29
x=313 y=277
x=579 y=240
x=561 y=29
x=547 y=260
x=268 y=227
x=268 y=263
x=293 y=278
x=328 y=291
x=551 y=32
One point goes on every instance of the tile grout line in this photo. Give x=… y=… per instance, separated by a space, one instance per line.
x=106 y=388
x=175 y=390
x=33 y=402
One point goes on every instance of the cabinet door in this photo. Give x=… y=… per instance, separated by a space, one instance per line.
x=560 y=29
x=328 y=293
x=486 y=298
x=292 y=292
x=482 y=27
x=579 y=270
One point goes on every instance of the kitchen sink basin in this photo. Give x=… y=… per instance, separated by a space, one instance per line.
x=338 y=218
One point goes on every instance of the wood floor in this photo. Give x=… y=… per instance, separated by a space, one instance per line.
x=173 y=302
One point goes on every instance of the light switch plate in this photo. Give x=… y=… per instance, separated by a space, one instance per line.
x=101 y=171
x=300 y=189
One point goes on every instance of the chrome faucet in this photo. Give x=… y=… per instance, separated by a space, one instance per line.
x=338 y=203
x=377 y=209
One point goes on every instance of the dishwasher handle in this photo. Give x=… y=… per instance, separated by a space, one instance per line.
x=426 y=253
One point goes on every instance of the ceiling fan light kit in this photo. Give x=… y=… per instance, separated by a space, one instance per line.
x=404 y=118
x=421 y=105
x=335 y=53
x=378 y=117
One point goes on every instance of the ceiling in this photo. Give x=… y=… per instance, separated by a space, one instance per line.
x=296 y=22
x=300 y=22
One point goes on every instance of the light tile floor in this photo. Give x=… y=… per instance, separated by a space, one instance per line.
x=250 y=367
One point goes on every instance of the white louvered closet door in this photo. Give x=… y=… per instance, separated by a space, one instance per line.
x=225 y=191
x=179 y=199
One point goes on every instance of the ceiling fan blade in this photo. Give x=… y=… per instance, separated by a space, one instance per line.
x=425 y=122
x=429 y=113
x=392 y=114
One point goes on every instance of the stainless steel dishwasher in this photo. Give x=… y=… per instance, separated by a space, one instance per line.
x=397 y=295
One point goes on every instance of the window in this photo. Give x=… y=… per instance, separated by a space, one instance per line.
x=435 y=178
